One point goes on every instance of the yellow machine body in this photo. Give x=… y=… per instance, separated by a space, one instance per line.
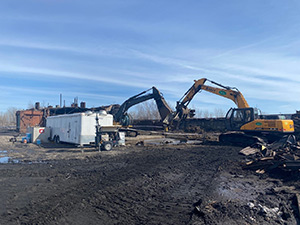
x=281 y=126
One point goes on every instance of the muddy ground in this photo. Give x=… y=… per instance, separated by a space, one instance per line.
x=156 y=184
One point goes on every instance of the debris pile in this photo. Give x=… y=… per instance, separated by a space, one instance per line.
x=296 y=118
x=283 y=154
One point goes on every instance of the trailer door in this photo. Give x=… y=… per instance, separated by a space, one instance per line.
x=73 y=131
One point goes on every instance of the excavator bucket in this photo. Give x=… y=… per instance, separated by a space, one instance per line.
x=162 y=106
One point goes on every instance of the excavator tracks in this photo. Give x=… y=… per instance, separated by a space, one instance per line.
x=239 y=139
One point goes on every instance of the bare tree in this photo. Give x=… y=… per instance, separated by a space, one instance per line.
x=207 y=114
x=8 y=118
x=2 y=119
x=148 y=111
x=11 y=111
x=145 y=111
x=199 y=113
x=30 y=105
x=219 y=113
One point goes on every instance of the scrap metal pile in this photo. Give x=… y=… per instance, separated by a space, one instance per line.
x=283 y=154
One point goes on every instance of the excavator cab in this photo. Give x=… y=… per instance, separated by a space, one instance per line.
x=249 y=120
x=237 y=117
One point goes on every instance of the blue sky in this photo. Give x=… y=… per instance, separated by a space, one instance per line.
x=106 y=51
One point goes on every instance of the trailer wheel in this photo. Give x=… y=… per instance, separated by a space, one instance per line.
x=107 y=146
x=57 y=140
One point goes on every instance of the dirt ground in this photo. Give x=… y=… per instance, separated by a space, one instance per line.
x=156 y=184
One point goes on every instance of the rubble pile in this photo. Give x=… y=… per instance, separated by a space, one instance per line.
x=296 y=118
x=283 y=154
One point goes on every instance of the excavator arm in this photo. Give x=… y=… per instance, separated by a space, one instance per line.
x=227 y=92
x=164 y=110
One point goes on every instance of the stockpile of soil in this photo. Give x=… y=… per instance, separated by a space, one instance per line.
x=181 y=184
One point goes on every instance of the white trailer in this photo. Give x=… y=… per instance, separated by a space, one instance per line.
x=77 y=128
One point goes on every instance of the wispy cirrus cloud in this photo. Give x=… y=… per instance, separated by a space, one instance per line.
x=259 y=74
x=54 y=92
x=33 y=72
x=36 y=45
x=84 y=49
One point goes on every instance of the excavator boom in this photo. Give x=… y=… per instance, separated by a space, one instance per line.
x=227 y=92
x=162 y=106
x=231 y=93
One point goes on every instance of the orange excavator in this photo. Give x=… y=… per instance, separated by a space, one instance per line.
x=244 y=120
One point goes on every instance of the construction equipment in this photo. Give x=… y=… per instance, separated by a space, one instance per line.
x=244 y=118
x=122 y=117
x=108 y=137
x=231 y=93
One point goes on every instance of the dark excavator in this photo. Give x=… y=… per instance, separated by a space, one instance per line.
x=121 y=116
x=108 y=137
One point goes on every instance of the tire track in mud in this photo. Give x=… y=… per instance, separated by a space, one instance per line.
x=148 y=186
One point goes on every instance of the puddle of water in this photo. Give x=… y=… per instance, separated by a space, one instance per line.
x=6 y=159
x=169 y=141
x=161 y=141
x=194 y=142
x=240 y=188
